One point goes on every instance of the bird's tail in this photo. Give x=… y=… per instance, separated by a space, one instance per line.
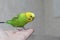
x=2 y=22
x=8 y=21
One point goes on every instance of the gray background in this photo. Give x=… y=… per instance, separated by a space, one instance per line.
x=45 y=25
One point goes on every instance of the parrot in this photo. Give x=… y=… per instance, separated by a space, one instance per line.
x=21 y=19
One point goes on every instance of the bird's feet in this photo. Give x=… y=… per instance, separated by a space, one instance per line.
x=19 y=29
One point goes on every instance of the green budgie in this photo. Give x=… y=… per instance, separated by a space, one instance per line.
x=21 y=19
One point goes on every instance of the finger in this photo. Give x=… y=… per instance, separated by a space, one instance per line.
x=9 y=32
x=27 y=33
x=3 y=35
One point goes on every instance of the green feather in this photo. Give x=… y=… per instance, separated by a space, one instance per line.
x=19 y=21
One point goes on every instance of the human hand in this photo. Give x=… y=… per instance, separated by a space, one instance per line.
x=15 y=35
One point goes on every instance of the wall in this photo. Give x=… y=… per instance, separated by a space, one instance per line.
x=52 y=23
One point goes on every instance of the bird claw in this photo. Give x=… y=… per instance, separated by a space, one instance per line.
x=25 y=28
x=22 y=29
x=19 y=29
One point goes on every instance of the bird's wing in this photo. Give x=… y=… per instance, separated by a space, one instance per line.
x=14 y=18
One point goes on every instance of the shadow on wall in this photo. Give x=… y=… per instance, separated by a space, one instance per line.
x=50 y=37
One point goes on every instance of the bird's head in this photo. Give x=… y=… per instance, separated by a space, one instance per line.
x=30 y=16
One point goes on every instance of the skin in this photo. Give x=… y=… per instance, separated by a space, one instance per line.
x=15 y=35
